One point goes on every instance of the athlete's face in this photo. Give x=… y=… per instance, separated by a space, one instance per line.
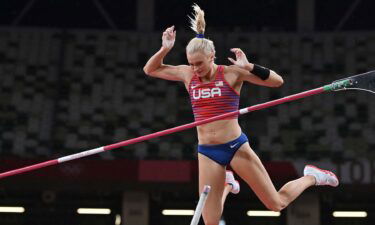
x=200 y=63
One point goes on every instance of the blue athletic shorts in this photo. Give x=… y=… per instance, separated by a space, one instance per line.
x=223 y=153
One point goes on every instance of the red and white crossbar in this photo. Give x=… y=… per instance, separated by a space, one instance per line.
x=162 y=133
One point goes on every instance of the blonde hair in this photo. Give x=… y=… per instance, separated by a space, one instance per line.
x=198 y=24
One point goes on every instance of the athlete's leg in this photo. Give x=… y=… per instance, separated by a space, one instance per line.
x=231 y=186
x=213 y=174
x=227 y=190
x=249 y=167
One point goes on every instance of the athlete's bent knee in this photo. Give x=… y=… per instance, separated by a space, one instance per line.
x=276 y=206
x=211 y=221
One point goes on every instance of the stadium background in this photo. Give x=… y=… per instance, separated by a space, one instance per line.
x=71 y=79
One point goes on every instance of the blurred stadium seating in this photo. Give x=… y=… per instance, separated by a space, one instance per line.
x=68 y=91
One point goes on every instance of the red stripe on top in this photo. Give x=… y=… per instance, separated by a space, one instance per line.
x=213 y=98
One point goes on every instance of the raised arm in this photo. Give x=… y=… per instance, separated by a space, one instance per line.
x=254 y=73
x=155 y=67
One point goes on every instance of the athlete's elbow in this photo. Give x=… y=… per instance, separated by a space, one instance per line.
x=279 y=82
x=147 y=70
x=275 y=83
x=276 y=80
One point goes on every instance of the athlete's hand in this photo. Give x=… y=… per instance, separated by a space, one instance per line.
x=169 y=36
x=241 y=60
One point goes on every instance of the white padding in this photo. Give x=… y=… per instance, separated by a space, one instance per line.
x=243 y=111
x=81 y=154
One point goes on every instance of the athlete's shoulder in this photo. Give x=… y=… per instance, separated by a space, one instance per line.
x=183 y=69
x=186 y=72
x=233 y=69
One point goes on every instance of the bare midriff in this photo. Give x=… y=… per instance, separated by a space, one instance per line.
x=218 y=132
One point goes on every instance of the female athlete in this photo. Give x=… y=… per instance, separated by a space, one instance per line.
x=214 y=90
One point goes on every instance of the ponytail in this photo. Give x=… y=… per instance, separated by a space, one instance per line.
x=198 y=25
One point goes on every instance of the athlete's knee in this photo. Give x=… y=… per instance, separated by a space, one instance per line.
x=213 y=222
x=211 y=218
x=275 y=208
x=275 y=205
